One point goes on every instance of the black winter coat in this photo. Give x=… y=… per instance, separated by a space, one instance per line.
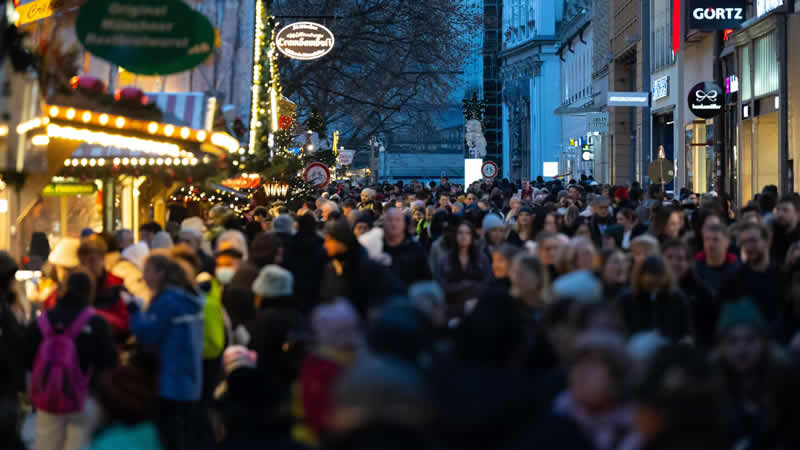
x=364 y=282
x=409 y=262
x=705 y=311
x=305 y=257
x=668 y=314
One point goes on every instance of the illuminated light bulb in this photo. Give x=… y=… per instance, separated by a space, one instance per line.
x=201 y=135
x=53 y=111
x=185 y=161
x=134 y=161
x=75 y=162
x=185 y=133
x=40 y=140
x=84 y=161
x=236 y=163
x=67 y=162
x=70 y=113
x=101 y=162
x=194 y=161
x=142 y=161
x=125 y=161
x=116 y=161
x=103 y=119
x=86 y=117
x=168 y=161
x=152 y=127
x=160 y=161
x=151 y=161
x=120 y=122
x=92 y=162
x=168 y=130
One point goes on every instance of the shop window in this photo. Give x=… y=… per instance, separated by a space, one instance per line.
x=766 y=62
x=747 y=89
x=746 y=161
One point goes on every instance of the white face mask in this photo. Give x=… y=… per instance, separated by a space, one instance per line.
x=224 y=275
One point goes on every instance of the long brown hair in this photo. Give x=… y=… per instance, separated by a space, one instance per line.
x=653 y=265
x=176 y=272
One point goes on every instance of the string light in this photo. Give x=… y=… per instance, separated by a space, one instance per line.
x=225 y=141
x=86 y=117
x=103 y=119
x=168 y=130
x=3 y=130
x=152 y=127
x=185 y=133
x=53 y=111
x=120 y=122
x=27 y=126
x=40 y=140
x=71 y=113
x=201 y=135
x=112 y=140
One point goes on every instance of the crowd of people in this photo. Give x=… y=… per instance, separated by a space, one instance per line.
x=547 y=315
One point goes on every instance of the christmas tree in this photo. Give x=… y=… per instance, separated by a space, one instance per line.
x=274 y=153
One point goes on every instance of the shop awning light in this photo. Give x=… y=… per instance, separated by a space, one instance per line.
x=225 y=141
x=3 y=130
x=112 y=140
x=40 y=140
x=28 y=125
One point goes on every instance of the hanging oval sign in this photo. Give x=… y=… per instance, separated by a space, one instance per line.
x=304 y=41
x=146 y=37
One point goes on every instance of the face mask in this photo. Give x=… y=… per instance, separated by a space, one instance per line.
x=224 y=275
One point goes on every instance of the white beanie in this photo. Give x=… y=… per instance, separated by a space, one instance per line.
x=194 y=224
x=136 y=253
x=274 y=281
x=66 y=253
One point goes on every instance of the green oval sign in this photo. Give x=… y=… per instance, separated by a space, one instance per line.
x=148 y=37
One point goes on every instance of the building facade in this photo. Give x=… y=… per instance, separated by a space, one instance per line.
x=531 y=74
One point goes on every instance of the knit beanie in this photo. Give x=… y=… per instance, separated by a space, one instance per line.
x=283 y=224
x=162 y=239
x=274 y=281
x=741 y=312
x=136 y=254
x=65 y=253
x=581 y=286
x=336 y=324
x=491 y=221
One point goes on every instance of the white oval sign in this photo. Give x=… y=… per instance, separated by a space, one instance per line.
x=304 y=41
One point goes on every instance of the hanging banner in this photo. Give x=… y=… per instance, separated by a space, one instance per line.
x=147 y=37
x=32 y=10
x=304 y=41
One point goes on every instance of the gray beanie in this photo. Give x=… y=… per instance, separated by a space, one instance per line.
x=580 y=286
x=491 y=221
x=274 y=281
x=283 y=224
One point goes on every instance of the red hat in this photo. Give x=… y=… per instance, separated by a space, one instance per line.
x=621 y=193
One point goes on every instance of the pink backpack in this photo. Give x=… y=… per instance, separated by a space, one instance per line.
x=58 y=385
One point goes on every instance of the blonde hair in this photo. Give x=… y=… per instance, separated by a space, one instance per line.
x=566 y=259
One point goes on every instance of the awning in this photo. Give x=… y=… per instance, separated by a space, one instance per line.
x=182 y=108
x=565 y=110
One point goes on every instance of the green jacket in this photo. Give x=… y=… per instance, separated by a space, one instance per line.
x=213 y=323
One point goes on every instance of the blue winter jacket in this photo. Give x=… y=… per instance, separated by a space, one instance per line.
x=173 y=326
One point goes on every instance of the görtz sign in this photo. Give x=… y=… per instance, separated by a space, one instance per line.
x=716 y=14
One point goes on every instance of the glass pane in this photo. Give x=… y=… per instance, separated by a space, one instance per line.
x=746 y=162
x=766 y=73
x=747 y=92
x=766 y=157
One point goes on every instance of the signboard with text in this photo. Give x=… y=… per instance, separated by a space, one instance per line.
x=146 y=37
x=345 y=157
x=716 y=14
x=635 y=99
x=660 y=88
x=706 y=100
x=32 y=10
x=304 y=41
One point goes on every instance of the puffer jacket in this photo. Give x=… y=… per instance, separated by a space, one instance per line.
x=173 y=327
